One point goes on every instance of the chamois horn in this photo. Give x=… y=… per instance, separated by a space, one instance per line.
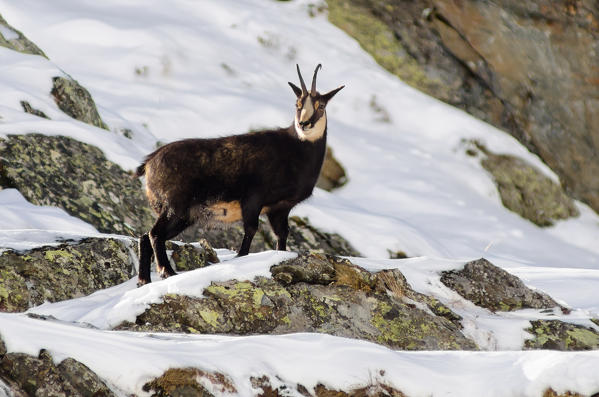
x=304 y=89
x=313 y=90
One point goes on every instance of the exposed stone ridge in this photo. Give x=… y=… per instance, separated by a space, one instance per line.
x=530 y=70
x=559 y=335
x=77 y=177
x=493 y=288
x=17 y=41
x=70 y=270
x=195 y=382
x=314 y=293
x=303 y=237
x=524 y=189
x=27 y=375
x=73 y=99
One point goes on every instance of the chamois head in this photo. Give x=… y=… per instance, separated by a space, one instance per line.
x=310 y=116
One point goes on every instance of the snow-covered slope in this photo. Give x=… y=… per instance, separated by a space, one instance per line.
x=196 y=69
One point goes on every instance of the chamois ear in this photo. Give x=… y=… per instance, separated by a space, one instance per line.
x=327 y=97
x=296 y=89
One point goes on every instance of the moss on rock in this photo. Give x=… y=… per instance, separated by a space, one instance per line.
x=527 y=191
x=303 y=237
x=61 y=272
x=191 y=256
x=15 y=40
x=77 y=177
x=493 y=288
x=39 y=376
x=380 y=41
x=331 y=295
x=558 y=335
x=73 y=99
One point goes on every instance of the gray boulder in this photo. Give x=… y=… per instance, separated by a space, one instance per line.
x=77 y=177
x=347 y=301
x=493 y=288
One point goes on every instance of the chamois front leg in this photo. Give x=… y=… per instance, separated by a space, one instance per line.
x=280 y=225
x=250 y=211
x=145 y=260
x=166 y=227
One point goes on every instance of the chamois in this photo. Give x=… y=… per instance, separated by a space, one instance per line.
x=238 y=177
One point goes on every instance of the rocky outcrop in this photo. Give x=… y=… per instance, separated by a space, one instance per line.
x=524 y=189
x=63 y=272
x=26 y=375
x=332 y=175
x=195 y=382
x=493 y=288
x=527 y=67
x=77 y=177
x=76 y=101
x=558 y=335
x=70 y=270
x=15 y=40
x=314 y=293
x=303 y=237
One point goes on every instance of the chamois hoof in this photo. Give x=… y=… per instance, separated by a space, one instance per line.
x=141 y=282
x=166 y=274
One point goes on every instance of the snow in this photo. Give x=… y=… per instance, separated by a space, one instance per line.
x=202 y=69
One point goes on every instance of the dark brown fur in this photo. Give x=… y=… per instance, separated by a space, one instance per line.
x=222 y=179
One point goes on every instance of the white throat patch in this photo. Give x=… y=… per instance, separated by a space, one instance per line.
x=313 y=133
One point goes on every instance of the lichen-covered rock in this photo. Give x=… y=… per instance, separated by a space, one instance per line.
x=189 y=382
x=526 y=67
x=493 y=288
x=332 y=175
x=303 y=237
x=349 y=301
x=77 y=177
x=527 y=191
x=192 y=382
x=191 y=256
x=38 y=376
x=558 y=335
x=73 y=99
x=62 y=272
x=15 y=40
x=27 y=108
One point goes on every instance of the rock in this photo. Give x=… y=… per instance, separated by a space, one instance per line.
x=303 y=237
x=27 y=108
x=189 y=382
x=74 y=269
x=38 y=376
x=527 y=191
x=558 y=335
x=526 y=67
x=318 y=270
x=332 y=175
x=348 y=301
x=77 y=177
x=76 y=101
x=191 y=256
x=493 y=288
x=62 y=272
x=15 y=40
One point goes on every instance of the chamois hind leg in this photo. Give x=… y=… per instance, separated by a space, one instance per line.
x=145 y=259
x=280 y=225
x=166 y=227
x=250 y=211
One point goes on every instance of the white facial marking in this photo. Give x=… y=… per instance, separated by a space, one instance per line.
x=307 y=110
x=313 y=133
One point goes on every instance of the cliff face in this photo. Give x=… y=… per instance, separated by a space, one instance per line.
x=527 y=67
